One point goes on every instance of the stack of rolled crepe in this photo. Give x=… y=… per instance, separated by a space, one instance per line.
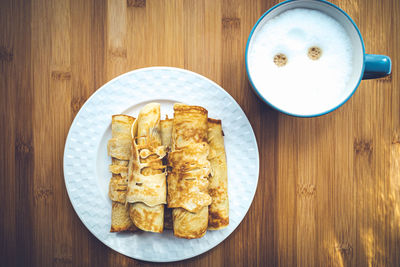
x=197 y=179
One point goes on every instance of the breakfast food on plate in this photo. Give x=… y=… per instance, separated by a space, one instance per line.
x=218 y=215
x=119 y=148
x=190 y=168
x=180 y=162
x=147 y=187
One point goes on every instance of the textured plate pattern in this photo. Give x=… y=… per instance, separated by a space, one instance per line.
x=86 y=161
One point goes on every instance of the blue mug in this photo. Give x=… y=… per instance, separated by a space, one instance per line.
x=365 y=66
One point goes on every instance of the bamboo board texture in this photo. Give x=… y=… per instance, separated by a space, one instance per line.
x=329 y=187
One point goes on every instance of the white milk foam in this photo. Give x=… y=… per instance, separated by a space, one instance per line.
x=303 y=86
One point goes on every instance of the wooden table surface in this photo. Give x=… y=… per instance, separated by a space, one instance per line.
x=329 y=187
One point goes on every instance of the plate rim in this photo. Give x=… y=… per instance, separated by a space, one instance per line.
x=74 y=122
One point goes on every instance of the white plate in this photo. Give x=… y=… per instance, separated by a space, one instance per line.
x=86 y=161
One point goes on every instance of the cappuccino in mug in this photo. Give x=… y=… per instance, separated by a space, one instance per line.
x=301 y=61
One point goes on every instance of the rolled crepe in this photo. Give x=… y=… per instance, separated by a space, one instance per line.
x=218 y=215
x=190 y=168
x=119 y=148
x=146 y=172
x=166 y=132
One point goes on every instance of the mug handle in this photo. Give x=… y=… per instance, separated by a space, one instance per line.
x=376 y=66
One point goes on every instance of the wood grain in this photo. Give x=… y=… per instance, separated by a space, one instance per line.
x=329 y=187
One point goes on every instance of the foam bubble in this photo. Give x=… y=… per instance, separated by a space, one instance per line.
x=303 y=85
